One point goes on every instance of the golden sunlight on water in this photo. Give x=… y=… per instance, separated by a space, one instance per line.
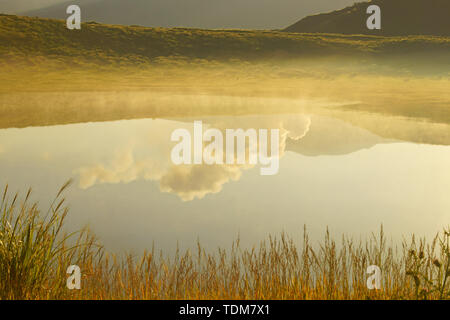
x=350 y=170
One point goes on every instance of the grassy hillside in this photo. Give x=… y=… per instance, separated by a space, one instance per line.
x=399 y=17
x=34 y=39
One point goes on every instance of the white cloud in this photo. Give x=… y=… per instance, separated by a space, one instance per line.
x=123 y=169
x=186 y=181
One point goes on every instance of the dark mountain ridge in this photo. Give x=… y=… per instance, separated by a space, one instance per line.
x=398 y=18
x=205 y=14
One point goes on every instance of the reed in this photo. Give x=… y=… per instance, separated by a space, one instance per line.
x=34 y=249
x=35 y=253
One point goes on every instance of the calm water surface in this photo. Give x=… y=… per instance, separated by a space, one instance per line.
x=333 y=172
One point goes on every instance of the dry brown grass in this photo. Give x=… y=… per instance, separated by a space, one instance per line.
x=275 y=269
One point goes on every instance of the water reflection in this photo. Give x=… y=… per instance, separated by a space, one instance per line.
x=350 y=171
x=130 y=162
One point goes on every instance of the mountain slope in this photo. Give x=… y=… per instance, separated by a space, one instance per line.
x=209 y=14
x=28 y=38
x=398 y=17
x=31 y=37
x=328 y=136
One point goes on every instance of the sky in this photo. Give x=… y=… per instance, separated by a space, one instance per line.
x=253 y=14
x=16 y=6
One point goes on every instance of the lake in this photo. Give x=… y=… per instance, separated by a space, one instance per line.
x=352 y=171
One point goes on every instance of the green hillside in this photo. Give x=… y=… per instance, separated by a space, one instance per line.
x=39 y=54
x=32 y=38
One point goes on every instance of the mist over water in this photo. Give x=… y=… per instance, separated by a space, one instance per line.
x=351 y=170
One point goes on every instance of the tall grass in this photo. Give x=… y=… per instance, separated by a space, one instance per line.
x=34 y=249
x=35 y=254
